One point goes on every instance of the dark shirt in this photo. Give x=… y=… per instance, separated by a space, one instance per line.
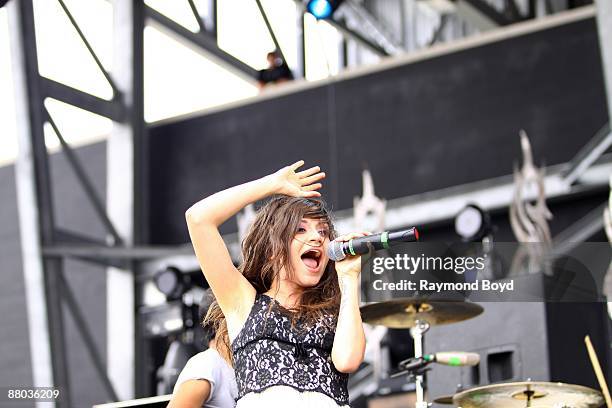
x=274 y=74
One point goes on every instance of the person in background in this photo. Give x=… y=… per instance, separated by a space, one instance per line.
x=277 y=72
x=207 y=380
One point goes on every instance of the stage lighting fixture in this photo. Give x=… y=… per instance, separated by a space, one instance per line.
x=473 y=223
x=171 y=282
x=322 y=9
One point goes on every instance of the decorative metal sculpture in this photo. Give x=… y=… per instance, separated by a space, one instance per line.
x=369 y=215
x=369 y=210
x=529 y=221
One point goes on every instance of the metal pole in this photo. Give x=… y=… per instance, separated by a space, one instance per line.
x=196 y=14
x=45 y=318
x=604 y=25
x=88 y=46
x=270 y=30
x=124 y=161
x=301 y=44
x=417 y=332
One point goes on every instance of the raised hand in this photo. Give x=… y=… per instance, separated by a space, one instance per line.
x=304 y=183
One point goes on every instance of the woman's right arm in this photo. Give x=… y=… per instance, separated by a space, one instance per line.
x=233 y=292
x=191 y=394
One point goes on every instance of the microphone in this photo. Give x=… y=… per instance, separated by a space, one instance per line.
x=453 y=358
x=337 y=251
x=449 y=358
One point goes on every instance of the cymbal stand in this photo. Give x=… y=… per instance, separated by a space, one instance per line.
x=417 y=332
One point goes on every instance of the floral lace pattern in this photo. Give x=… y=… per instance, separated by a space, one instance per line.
x=269 y=352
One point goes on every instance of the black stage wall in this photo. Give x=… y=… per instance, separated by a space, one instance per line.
x=421 y=126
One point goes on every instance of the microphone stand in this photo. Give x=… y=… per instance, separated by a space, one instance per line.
x=412 y=367
x=417 y=332
x=417 y=367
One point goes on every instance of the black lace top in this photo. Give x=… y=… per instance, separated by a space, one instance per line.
x=268 y=351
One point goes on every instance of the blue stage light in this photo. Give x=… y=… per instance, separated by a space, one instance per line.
x=320 y=9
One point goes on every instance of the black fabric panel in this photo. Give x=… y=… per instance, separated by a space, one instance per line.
x=419 y=127
x=455 y=119
x=200 y=156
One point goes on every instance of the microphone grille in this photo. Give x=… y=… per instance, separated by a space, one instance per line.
x=472 y=359
x=335 y=252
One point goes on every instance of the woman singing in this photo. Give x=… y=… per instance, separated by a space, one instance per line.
x=290 y=317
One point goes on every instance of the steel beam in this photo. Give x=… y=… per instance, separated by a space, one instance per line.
x=588 y=154
x=438 y=31
x=215 y=18
x=88 y=46
x=201 y=41
x=45 y=318
x=87 y=185
x=113 y=109
x=480 y=14
x=105 y=252
x=62 y=237
x=196 y=15
x=489 y=12
x=344 y=28
x=88 y=338
x=370 y=24
x=125 y=180
x=604 y=26
x=263 y=14
x=579 y=232
x=301 y=44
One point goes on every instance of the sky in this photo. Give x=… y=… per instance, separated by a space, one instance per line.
x=177 y=80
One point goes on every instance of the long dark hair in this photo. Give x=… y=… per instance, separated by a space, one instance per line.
x=266 y=250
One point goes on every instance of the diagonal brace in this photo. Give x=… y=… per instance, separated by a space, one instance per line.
x=85 y=182
x=89 y=48
x=87 y=337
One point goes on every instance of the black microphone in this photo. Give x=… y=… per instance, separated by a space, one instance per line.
x=337 y=251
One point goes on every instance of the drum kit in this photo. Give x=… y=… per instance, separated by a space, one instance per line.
x=419 y=314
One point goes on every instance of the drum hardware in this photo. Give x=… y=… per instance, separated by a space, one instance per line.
x=529 y=394
x=418 y=314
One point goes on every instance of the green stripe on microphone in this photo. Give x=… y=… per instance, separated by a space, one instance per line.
x=454 y=361
x=384 y=238
x=351 y=247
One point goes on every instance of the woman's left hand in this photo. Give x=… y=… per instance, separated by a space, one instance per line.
x=351 y=265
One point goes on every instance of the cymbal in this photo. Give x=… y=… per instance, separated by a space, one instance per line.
x=403 y=312
x=445 y=399
x=529 y=394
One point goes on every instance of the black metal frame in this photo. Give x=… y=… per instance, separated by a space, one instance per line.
x=57 y=290
x=58 y=244
x=203 y=40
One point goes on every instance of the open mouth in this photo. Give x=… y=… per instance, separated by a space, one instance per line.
x=311 y=258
